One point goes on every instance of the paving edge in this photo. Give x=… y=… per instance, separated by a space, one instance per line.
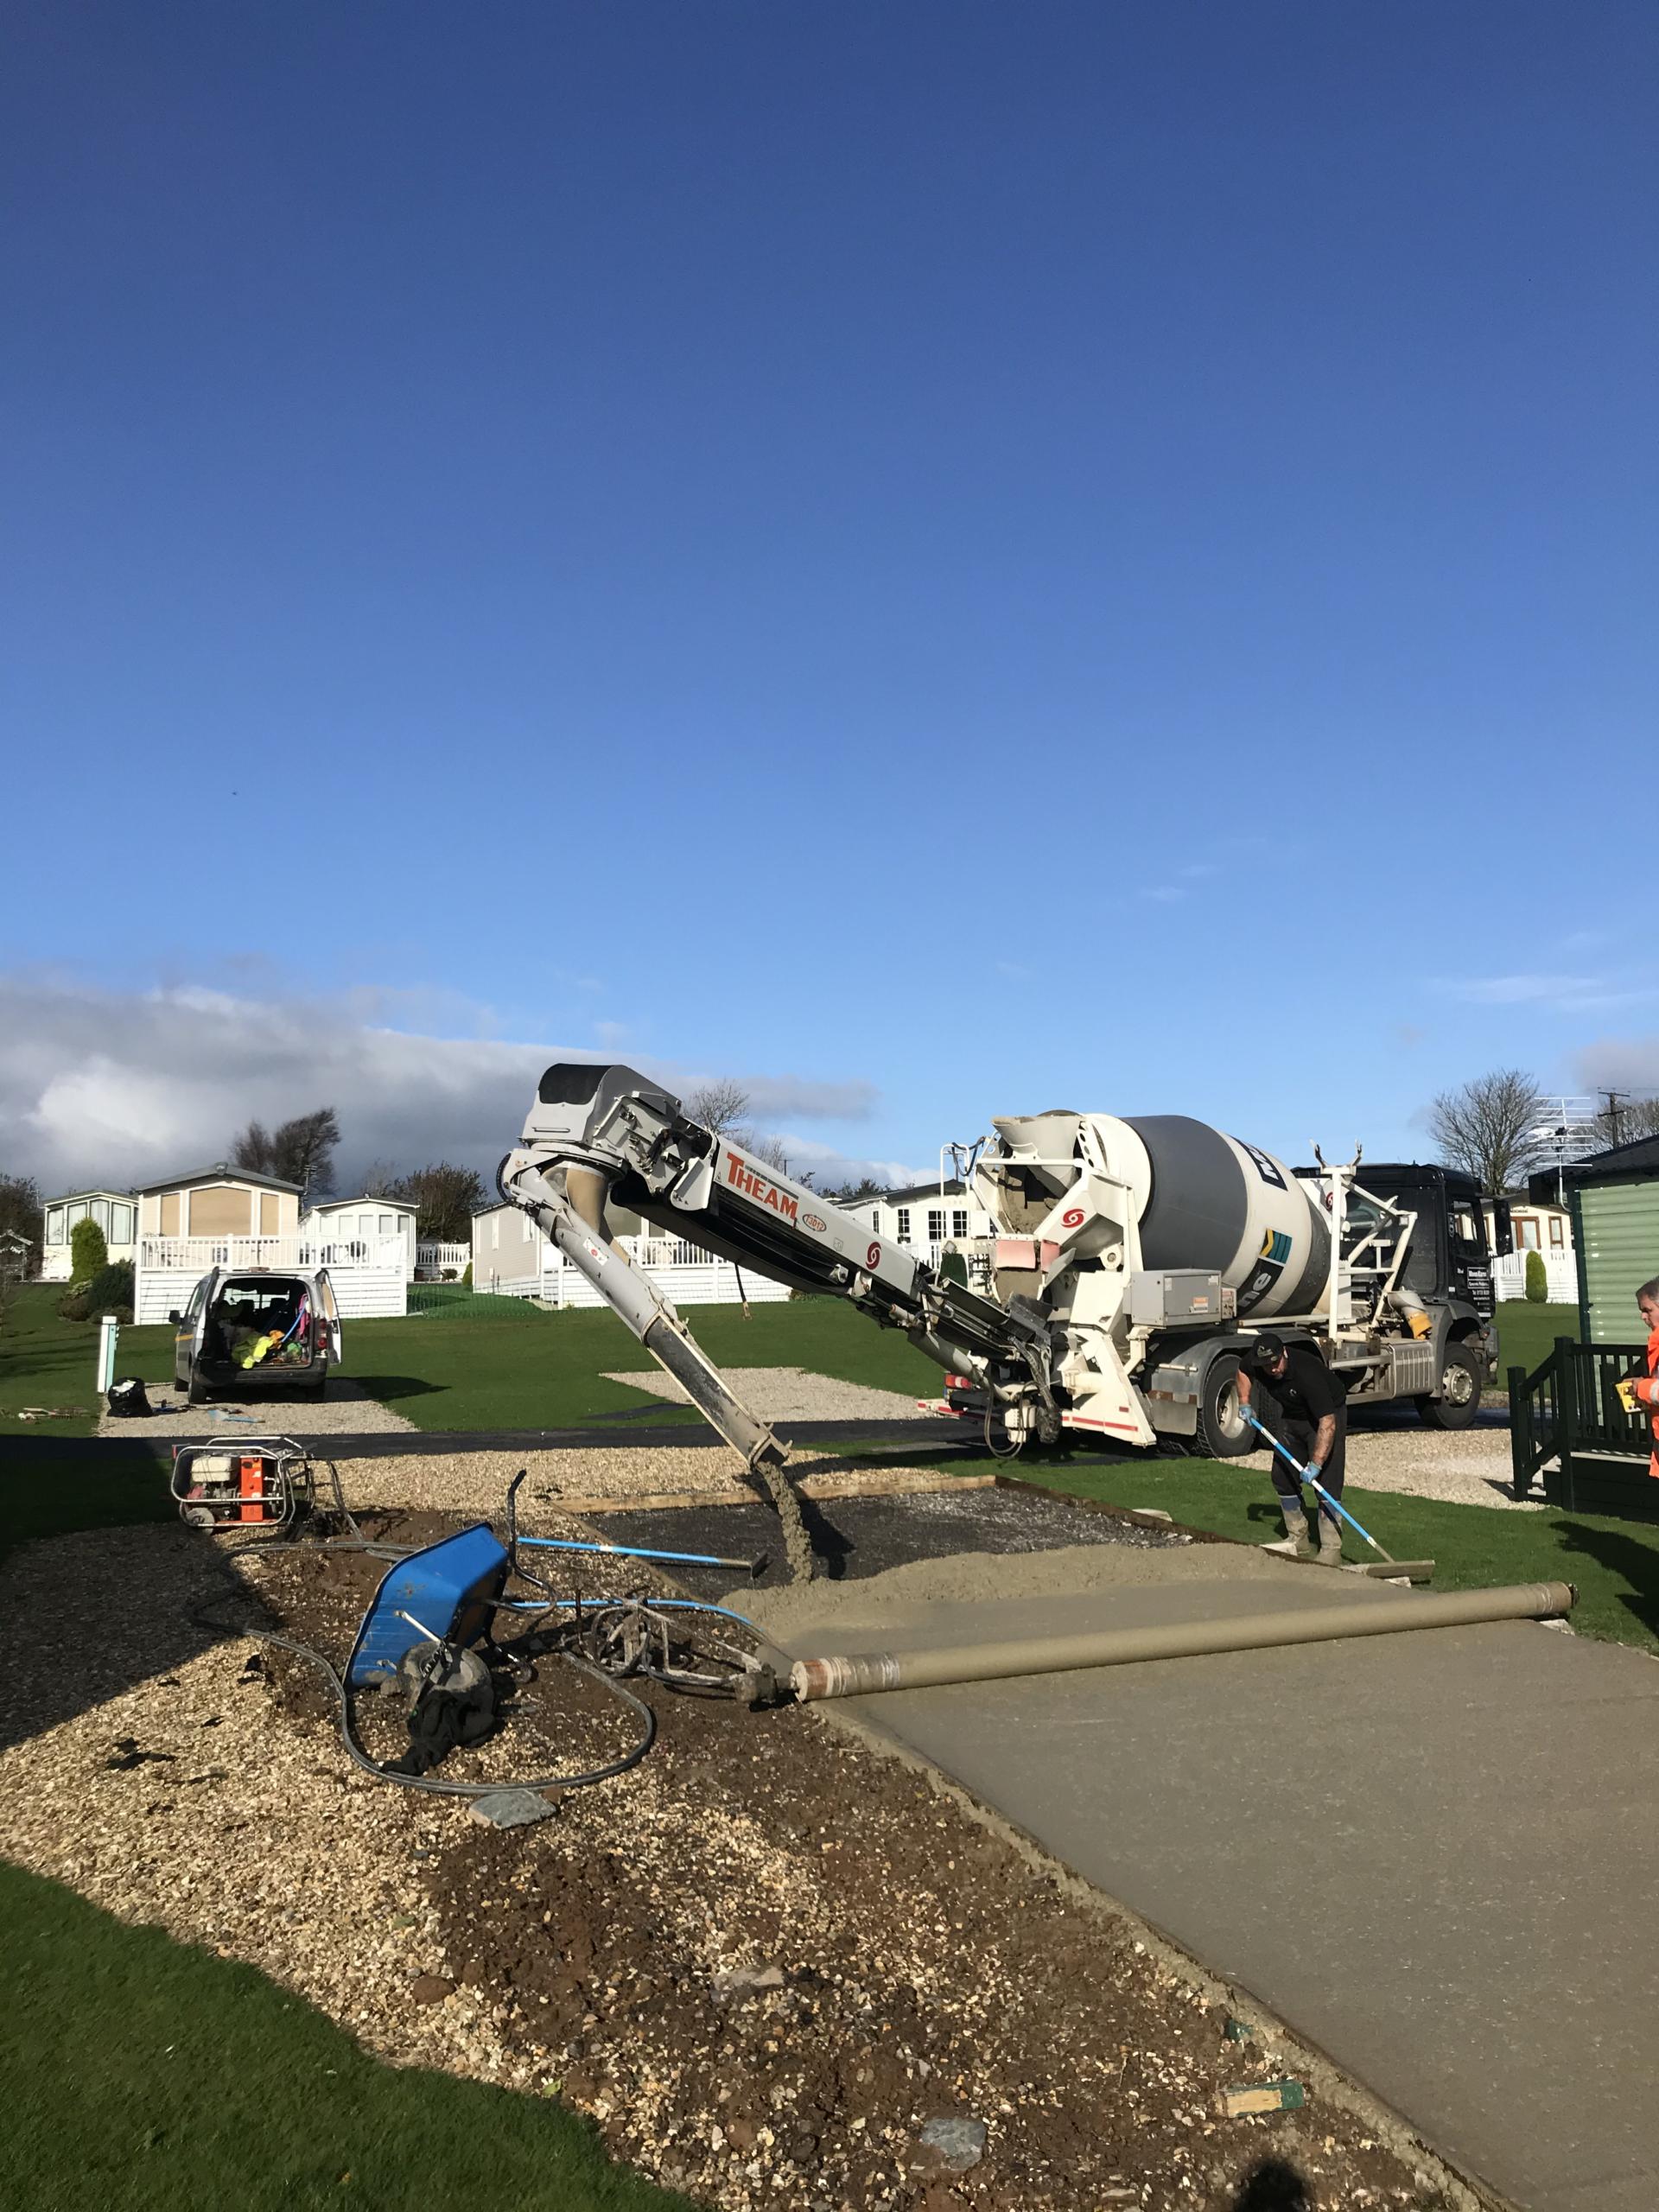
x=1461 y=2190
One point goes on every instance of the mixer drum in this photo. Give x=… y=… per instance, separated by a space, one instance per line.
x=1234 y=1210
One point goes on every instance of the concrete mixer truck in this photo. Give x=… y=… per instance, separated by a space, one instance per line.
x=1133 y=1257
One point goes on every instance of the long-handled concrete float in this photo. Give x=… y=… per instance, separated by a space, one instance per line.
x=861 y=1675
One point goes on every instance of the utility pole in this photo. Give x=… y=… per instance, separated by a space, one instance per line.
x=1615 y=1099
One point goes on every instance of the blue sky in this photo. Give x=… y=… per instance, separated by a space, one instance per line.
x=944 y=558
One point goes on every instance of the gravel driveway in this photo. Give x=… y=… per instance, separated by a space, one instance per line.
x=788 y=1394
x=347 y=1410
x=1468 y=1466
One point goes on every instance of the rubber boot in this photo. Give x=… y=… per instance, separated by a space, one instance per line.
x=1330 y=1539
x=1294 y=1543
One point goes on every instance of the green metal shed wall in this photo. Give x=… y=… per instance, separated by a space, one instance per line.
x=1618 y=1235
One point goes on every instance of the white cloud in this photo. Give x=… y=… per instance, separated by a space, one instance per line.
x=830 y=1168
x=1515 y=990
x=1559 y=993
x=775 y=1096
x=104 y=1086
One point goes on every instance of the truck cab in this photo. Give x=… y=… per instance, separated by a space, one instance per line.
x=1450 y=1260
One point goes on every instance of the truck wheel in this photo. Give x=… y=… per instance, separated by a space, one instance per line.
x=1222 y=1432
x=1460 y=1400
x=196 y=1395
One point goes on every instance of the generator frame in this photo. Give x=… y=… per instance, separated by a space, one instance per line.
x=288 y=1486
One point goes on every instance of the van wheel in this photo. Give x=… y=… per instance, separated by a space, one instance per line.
x=1460 y=1400
x=196 y=1395
x=1222 y=1432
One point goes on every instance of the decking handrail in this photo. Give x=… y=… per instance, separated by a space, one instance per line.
x=1569 y=1408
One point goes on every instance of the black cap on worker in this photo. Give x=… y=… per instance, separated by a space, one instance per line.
x=1268 y=1348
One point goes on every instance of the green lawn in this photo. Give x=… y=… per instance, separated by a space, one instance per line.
x=498 y=1363
x=46 y=1360
x=146 y=2075
x=526 y=1368
x=488 y=1363
x=1527 y=1333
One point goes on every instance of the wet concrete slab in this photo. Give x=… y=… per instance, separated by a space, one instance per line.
x=1436 y=1855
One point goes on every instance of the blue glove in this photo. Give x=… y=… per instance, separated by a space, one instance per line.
x=1313 y=1471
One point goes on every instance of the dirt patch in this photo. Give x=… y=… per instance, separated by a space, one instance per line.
x=855 y=1537
x=763 y=1962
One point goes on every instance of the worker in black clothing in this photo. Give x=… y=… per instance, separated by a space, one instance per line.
x=1291 y=1391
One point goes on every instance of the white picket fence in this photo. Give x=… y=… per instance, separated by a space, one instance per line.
x=438 y=1260
x=680 y=1271
x=1560 y=1277
x=371 y=1277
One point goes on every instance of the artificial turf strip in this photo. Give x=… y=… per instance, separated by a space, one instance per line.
x=146 y=2075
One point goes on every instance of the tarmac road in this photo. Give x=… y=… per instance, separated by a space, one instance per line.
x=1436 y=1855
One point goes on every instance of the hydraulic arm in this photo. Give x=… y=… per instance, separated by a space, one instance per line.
x=597 y=1135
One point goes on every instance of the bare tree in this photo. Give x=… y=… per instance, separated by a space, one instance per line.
x=722 y=1106
x=443 y=1196
x=719 y=1105
x=251 y=1149
x=1489 y=1126
x=300 y=1151
x=1625 y=1117
x=383 y=1179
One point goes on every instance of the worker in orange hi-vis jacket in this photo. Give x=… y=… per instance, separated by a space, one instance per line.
x=1643 y=1390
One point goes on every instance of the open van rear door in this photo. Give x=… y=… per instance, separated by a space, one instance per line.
x=190 y=1329
x=329 y=1312
x=206 y=1291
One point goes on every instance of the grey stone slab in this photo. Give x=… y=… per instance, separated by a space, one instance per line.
x=1435 y=1855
